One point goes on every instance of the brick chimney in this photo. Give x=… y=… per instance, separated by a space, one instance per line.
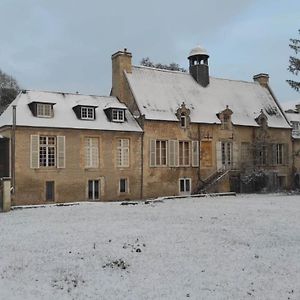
x=121 y=61
x=262 y=79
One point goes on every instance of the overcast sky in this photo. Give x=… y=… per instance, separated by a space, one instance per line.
x=66 y=45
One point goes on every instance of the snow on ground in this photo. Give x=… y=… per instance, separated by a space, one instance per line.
x=245 y=247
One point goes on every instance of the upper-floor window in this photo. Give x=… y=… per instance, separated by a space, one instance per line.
x=44 y=110
x=91 y=146
x=161 y=153
x=279 y=154
x=226 y=122
x=123 y=153
x=184 y=153
x=183 y=121
x=262 y=155
x=47 y=151
x=295 y=125
x=118 y=115
x=87 y=113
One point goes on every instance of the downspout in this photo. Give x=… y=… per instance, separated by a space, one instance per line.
x=199 y=167
x=142 y=165
x=13 y=149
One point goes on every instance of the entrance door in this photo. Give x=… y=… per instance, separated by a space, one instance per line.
x=226 y=148
x=94 y=189
x=185 y=186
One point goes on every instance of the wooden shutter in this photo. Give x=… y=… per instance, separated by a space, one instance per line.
x=34 y=151
x=61 y=152
x=235 y=155
x=285 y=154
x=95 y=152
x=152 y=153
x=172 y=153
x=195 y=153
x=219 y=155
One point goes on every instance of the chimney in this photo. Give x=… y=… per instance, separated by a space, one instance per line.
x=121 y=61
x=199 y=68
x=262 y=79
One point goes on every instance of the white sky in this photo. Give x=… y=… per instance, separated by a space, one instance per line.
x=67 y=45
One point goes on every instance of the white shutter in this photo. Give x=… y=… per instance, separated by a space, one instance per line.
x=195 y=154
x=172 y=153
x=235 y=155
x=34 y=152
x=219 y=155
x=61 y=152
x=152 y=153
x=95 y=152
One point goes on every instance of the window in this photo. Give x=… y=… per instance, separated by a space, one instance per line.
x=91 y=146
x=93 y=189
x=185 y=186
x=123 y=186
x=184 y=153
x=262 y=155
x=118 y=115
x=161 y=153
x=183 y=121
x=87 y=113
x=44 y=110
x=123 y=153
x=50 y=191
x=226 y=149
x=226 y=122
x=279 y=154
x=47 y=151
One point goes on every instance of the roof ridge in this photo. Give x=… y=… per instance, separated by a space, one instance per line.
x=187 y=73
x=68 y=93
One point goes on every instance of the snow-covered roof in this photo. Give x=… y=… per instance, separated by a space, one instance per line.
x=159 y=93
x=64 y=116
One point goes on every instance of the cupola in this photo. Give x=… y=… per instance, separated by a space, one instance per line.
x=199 y=68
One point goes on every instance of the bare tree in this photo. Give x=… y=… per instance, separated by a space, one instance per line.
x=146 y=61
x=9 y=88
x=294 y=66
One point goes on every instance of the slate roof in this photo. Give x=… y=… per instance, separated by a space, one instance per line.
x=64 y=116
x=159 y=93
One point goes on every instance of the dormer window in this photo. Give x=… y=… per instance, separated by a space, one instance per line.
x=183 y=115
x=44 y=110
x=87 y=113
x=183 y=121
x=41 y=109
x=225 y=118
x=118 y=115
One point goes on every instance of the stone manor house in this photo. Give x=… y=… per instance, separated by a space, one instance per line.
x=159 y=133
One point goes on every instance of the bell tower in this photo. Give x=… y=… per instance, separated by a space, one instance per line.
x=199 y=68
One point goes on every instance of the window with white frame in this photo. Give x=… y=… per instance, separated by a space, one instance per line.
x=91 y=151
x=94 y=189
x=87 y=113
x=47 y=151
x=44 y=110
x=118 y=115
x=184 y=153
x=123 y=185
x=226 y=121
x=262 y=155
x=123 y=153
x=185 y=185
x=161 y=153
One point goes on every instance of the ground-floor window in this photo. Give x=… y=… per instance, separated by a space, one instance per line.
x=185 y=185
x=94 y=189
x=50 y=191
x=123 y=185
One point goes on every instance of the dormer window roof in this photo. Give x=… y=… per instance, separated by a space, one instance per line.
x=115 y=112
x=85 y=112
x=42 y=109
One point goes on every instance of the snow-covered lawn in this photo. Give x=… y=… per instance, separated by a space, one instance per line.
x=245 y=247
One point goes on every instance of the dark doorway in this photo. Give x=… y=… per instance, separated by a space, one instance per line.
x=4 y=157
x=50 y=191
